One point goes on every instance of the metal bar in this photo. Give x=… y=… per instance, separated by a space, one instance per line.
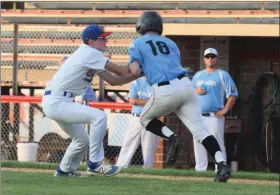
x=137 y=13
x=86 y=158
x=15 y=84
x=101 y=90
x=15 y=59
x=121 y=97
x=31 y=118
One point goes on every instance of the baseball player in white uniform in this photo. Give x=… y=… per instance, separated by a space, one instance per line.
x=172 y=91
x=89 y=94
x=73 y=78
x=213 y=86
x=140 y=92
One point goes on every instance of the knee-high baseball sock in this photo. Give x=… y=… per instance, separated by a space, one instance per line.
x=158 y=128
x=211 y=145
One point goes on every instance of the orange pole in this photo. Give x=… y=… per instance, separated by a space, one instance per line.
x=34 y=99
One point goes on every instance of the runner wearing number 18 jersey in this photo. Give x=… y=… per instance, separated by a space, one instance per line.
x=172 y=91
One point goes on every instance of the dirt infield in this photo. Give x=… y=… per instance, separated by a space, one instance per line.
x=178 y=178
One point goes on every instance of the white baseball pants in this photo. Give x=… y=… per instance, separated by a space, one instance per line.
x=179 y=97
x=134 y=135
x=71 y=117
x=216 y=128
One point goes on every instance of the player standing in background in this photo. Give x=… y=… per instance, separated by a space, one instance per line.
x=172 y=91
x=140 y=92
x=73 y=78
x=213 y=85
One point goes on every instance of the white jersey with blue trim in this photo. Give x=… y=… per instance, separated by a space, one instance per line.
x=77 y=71
x=218 y=86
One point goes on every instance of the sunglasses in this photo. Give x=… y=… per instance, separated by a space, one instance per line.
x=210 y=56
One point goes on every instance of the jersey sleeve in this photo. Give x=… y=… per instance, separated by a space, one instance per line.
x=134 y=53
x=230 y=87
x=95 y=60
x=133 y=90
x=194 y=79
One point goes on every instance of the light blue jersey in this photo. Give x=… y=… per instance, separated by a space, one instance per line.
x=89 y=94
x=140 y=89
x=158 y=56
x=218 y=86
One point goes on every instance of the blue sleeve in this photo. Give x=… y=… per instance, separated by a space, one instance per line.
x=89 y=94
x=194 y=79
x=133 y=90
x=230 y=87
x=134 y=53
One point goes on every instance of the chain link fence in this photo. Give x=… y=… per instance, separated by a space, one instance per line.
x=26 y=123
x=40 y=50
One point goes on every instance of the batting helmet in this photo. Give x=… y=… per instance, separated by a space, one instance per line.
x=149 y=20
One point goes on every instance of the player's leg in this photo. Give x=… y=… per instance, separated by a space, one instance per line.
x=149 y=143
x=73 y=113
x=200 y=153
x=75 y=150
x=130 y=143
x=191 y=116
x=164 y=101
x=217 y=129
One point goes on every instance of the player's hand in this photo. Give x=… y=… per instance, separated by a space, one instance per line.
x=135 y=69
x=221 y=113
x=79 y=99
x=200 y=91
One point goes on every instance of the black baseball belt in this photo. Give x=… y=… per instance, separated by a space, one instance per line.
x=168 y=83
x=207 y=113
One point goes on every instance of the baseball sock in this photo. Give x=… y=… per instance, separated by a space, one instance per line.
x=158 y=128
x=211 y=145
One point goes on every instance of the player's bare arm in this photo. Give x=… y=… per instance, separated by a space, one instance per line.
x=135 y=68
x=138 y=102
x=116 y=80
x=117 y=69
x=230 y=102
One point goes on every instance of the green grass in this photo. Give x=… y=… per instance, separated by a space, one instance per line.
x=22 y=183
x=163 y=172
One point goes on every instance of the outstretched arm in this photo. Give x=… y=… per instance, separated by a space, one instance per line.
x=117 y=69
x=116 y=80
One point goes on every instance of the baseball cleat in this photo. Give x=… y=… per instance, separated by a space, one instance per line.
x=223 y=173
x=60 y=173
x=176 y=145
x=101 y=169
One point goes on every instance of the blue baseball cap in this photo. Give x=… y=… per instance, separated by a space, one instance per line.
x=93 y=32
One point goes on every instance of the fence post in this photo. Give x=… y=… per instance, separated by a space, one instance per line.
x=87 y=126
x=101 y=90
x=15 y=60
x=15 y=83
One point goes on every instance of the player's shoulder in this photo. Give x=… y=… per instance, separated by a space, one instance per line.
x=199 y=73
x=223 y=72
x=88 y=51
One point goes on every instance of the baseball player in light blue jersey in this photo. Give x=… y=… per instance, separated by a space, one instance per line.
x=172 y=91
x=140 y=92
x=213 y=86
